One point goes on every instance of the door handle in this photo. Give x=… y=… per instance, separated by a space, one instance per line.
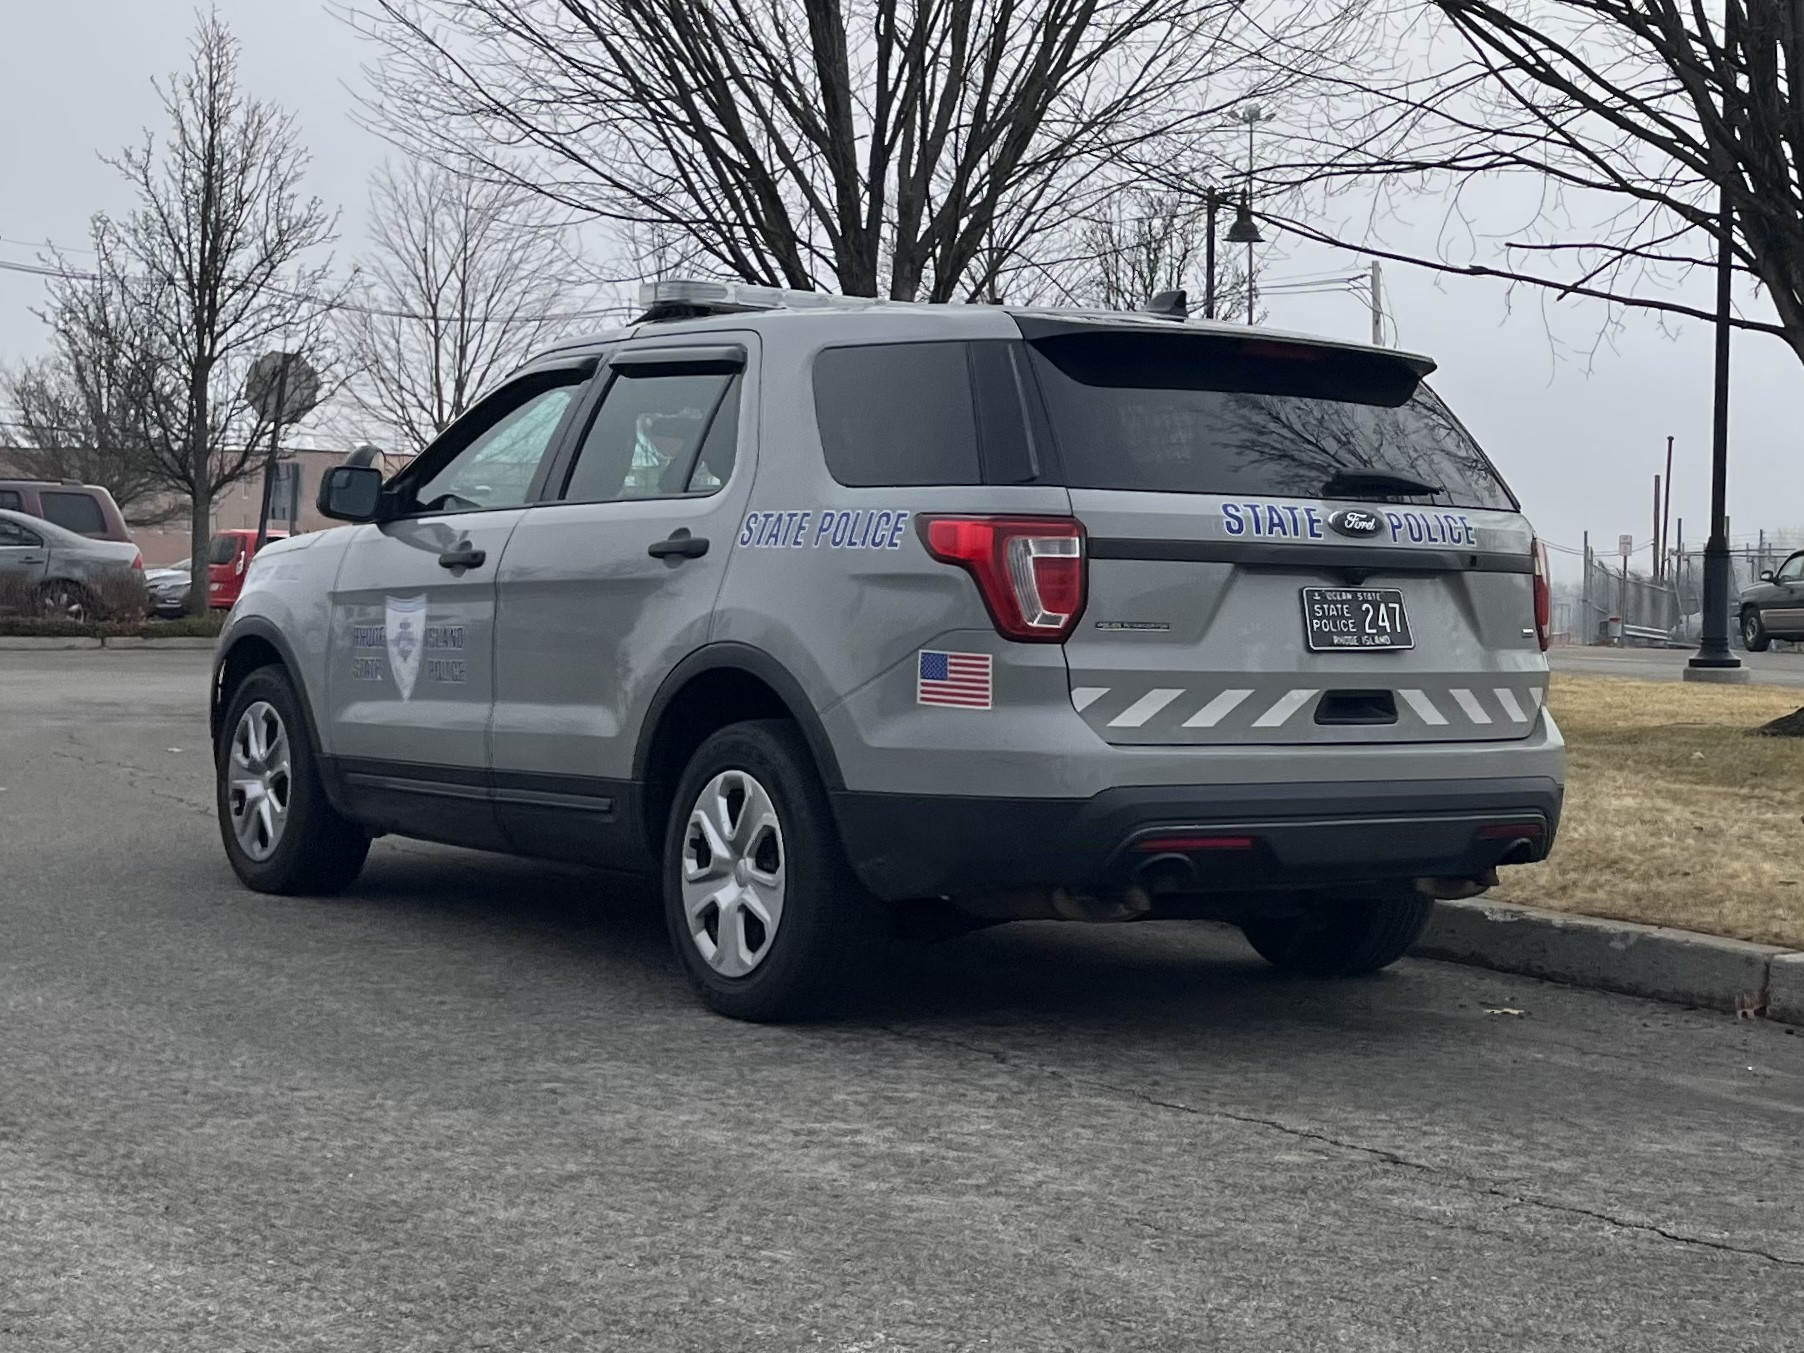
x=680 y=545
x=462 y=555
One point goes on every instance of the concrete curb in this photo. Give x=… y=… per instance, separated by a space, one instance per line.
x=122 y=641
x=1638 y=960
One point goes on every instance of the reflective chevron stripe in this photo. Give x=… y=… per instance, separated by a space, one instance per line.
x=1507 y=698
x=1144 y=708
x=1287 y=705
x=1216 y=710
x=1424 y=708
x=1469 y=703
x=1085 y=696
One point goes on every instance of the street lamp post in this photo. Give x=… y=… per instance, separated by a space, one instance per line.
x=1245 y=230
x=1714 y=661
x=1212 y=204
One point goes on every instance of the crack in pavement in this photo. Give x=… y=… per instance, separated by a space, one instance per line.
x=1379 y=1153
x=134 y=776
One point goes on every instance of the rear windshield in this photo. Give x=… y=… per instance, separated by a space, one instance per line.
x=1205 y=414
x=77 y=512
x=223 y=550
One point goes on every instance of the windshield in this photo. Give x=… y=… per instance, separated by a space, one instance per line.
x=1175 y=414
x=223 y=550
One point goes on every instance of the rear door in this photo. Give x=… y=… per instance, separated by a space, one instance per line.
x=611 y=581
x=1289 y=543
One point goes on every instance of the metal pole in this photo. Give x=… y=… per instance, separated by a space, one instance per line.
x=1252 y=119
x=1666 y=507
x=1714 y=660
x=1585 y=594
x=1655 y=570
x=275 y=440
x=1377 y=306
x=1213 y=201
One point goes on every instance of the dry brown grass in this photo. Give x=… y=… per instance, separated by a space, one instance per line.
x=1675 y=814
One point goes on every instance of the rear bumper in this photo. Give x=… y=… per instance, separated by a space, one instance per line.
x=1299 y=835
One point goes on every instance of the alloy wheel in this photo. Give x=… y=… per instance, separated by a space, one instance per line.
x=260 y=780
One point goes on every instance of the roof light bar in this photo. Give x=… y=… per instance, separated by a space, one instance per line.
x=728 y=298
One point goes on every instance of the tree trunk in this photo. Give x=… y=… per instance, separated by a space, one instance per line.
x=200 y=500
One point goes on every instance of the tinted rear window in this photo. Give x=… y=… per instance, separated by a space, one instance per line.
x=9 y=498
x=77 y=512
x=1205 y=414
x=897 y=413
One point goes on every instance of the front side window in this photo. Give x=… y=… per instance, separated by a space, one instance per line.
x=1792 y=570
x=77 y=512
x=497 y=467
x=224 y=549
x=669 y=435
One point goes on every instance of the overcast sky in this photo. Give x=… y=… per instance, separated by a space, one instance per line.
x=1578 y=437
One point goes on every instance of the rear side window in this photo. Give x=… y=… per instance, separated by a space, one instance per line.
x=1203 y=414
x=77 y=512
x=10 y=499
x=658 y=436
x=895 y=414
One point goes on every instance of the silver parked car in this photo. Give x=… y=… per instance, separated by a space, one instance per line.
x=47 y=570
x=828 y=610
x=169 y=588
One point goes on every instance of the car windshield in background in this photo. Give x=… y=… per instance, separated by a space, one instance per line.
x=1204 y=414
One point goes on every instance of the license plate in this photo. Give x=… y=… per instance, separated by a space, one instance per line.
x=1355 y=617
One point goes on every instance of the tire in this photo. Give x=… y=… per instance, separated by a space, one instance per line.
x=765 y=811
x=1349 y=937
x=303 y=846
x=1753 y=631
x=65 y=600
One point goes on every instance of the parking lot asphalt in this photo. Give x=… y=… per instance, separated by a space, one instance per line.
x=1668 y=664
x=470 y=1105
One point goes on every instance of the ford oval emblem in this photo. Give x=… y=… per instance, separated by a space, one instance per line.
x=1352 y=521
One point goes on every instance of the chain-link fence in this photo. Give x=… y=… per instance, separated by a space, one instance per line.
x=1611 y=605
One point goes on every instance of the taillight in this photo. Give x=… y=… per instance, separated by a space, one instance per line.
x=1029 y=570
x=138 y=562
x=1543 y=598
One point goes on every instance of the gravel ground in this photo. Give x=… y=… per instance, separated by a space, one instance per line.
x=470 y=1106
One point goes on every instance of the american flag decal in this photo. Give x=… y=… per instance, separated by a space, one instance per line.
x=958 y=679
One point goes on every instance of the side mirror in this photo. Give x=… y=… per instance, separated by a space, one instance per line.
x=1766 y=575
x=350 y=492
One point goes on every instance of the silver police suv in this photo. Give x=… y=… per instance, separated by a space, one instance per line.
x=838 y=613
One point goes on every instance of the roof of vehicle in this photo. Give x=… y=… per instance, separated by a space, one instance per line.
x=272 y=533
x=60 y=536
x=742 y=306
x=29 y=483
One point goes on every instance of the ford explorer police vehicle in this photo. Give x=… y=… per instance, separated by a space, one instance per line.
x=831 y=611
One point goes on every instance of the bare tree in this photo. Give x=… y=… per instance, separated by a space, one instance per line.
x=466 y=279
x=1625 y=118
x=1146 y=241
x=909 y=150
x=81 y=411
x=210 y=268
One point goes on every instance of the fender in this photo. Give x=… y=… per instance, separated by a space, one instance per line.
x=755 y=662
x=255 y=625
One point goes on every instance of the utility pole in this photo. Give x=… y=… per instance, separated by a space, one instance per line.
x=1657 y=567
x=1585 y=593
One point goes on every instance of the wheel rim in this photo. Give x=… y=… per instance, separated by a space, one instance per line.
x=1750 y=627
x=66 y=603
x=260 y=780
x=735 y=873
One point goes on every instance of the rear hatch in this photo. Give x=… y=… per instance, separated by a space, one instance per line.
x=1290 y=543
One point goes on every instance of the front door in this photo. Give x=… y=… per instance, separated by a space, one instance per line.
x=23 y=558
x=611 y=583
x=410 y=684
x=1783 y=612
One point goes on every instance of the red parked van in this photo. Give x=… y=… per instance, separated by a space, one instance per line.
x=227 y=558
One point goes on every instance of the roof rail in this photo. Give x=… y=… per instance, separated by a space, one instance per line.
x=691 y=297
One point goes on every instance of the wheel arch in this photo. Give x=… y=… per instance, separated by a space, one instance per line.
x=255 y=643
x=715 y=686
